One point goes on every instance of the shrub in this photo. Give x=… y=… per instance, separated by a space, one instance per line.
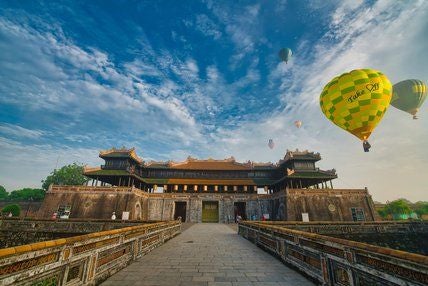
x=14 y=209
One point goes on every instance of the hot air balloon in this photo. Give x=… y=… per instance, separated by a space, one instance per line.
x=408 y=95
x=285 y=54
x=298 y=123
x=271 y=144
x=356 y=101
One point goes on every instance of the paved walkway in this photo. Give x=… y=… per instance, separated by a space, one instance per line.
x=207 y=254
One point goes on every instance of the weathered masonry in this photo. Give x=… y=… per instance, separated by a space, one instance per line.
x=15 y=231
x=81 y=260
x=335 y=261
x=210 y=190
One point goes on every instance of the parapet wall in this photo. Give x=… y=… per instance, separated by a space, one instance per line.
x=334 y=261
x=81 y=260
x=401 y=235
x=14 y=232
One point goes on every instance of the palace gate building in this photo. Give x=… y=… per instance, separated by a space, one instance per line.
x=293 y=189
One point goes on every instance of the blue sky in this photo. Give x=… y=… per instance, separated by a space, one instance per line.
x=179 y=78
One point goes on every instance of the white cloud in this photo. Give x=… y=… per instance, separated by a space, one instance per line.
x=207 y=27
x=18 y=131
x=181 y=110
x=26 y=165
x=376 y=37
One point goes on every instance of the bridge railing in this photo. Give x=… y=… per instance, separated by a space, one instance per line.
x=334 y=261
x=81 y=260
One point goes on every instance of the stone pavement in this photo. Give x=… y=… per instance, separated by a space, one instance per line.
x=207 y=254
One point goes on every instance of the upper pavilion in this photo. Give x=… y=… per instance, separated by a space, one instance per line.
x=123 y=167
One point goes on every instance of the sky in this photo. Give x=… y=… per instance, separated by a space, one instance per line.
x=203 y=78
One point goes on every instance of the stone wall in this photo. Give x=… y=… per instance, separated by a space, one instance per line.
x=335 y=261
x=327 y=204
x=95 y=202
x=82 y=260
x=15 y=232
x=288 y=204
x=162 y=206
x=401 y=235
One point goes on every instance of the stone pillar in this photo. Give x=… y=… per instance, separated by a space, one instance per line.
x=245 y=188
x=255 y=189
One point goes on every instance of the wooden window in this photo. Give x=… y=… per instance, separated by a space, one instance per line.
x=357 y=214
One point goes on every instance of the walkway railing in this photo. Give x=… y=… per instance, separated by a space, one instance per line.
x=81 y=260
x=334 y=261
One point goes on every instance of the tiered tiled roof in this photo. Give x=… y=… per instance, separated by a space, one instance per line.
x=301 y=155
x=121 y=153
x=210 y=164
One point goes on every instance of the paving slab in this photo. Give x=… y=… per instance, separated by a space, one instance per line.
x=207 y=254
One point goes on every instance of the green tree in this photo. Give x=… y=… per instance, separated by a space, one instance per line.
x=67 y=175
x=421 y=208
x=382 y=212
x=14 y=209
x=3 y=194
x=398 y=207
x=27 y=194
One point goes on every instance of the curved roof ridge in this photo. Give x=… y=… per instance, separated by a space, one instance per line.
x=130 y=152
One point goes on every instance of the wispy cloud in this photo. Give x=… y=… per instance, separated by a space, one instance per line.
x=172 y=96
x=360 y=36
x=18 y=131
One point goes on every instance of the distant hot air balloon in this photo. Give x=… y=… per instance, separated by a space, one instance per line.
x=285 y=54
x=356 y=101
x=408 y=95
x=298 y=123
x=271 y=144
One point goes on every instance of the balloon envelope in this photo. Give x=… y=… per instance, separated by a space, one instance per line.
x=356 y=101
x=285 y=54
x=409 y=95
x=271 y=144
x=298 y=123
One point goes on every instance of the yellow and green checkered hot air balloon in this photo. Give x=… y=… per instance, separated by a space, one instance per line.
x=356 y=101
x=408 y=95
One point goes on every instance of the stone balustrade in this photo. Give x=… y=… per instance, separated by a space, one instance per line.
x=335 y=261
x=81 y=260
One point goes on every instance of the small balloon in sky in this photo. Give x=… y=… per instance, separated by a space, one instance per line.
x=285 y=54
x=271 y=144
x=298 y=123
x=356 y=101
x=409 y=95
